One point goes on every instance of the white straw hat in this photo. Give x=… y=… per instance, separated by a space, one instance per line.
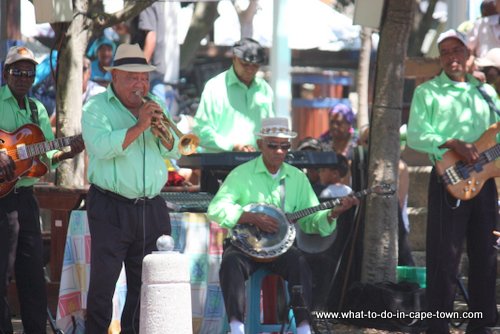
x=276 y=127
x=130 y=58
x=491 y=58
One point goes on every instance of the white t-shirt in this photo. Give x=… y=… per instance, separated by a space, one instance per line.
x=335 y=190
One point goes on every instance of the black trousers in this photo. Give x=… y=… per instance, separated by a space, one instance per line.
x=121 y=232
x=236 y=267
x=448 y=225
x=29 y=273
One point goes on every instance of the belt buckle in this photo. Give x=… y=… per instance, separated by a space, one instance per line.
x=139 y=200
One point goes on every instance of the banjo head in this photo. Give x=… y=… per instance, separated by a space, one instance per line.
x=262 y=245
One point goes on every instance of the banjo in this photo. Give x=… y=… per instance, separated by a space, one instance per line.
x=264 y=246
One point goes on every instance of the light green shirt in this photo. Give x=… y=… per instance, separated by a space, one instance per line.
x=12 y=117
x=251 y=182
x=442 y=109
x=230 y=113
x=137 y=171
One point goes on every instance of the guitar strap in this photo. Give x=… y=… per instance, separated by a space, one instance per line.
x=34 y=111
x=282 y=194
x=488 y=99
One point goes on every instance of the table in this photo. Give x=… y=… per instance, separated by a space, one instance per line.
x=197 y=237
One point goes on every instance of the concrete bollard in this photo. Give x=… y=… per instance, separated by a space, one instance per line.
x=166 y=291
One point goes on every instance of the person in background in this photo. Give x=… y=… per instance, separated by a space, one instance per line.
x=19 y=211
x=103 y=53
x=340 y=136
x=312 y=144
x=234 y=103
x=332 y=176
x=456 y=97
x=487 y=8
x=267 y=179
x=157 y=35
x=484 y=35
x=126 y=145
x=490 y=66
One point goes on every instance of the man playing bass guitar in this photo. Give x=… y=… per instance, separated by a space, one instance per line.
x=448 y=114
x=19 y=208
x=268 y=180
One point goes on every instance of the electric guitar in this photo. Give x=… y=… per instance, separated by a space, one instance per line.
x=464 y=181
x=24 y=146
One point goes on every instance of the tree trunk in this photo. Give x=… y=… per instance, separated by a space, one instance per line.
x=246 y=16
x=70 y=173
x=381 y=218
x=202 y=22
x=363 y=78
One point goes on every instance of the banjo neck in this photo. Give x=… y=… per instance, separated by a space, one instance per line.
x=293 y=217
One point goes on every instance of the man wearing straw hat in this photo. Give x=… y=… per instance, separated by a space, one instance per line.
x=126 y=171
x=267 y=179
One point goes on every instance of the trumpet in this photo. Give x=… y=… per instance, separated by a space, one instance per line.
x=187 y=142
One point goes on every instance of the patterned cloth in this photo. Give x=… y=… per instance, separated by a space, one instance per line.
x=194 y=236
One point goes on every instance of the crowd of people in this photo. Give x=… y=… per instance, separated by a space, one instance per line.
x=126 y=94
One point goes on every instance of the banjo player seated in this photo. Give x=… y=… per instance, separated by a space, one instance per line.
x=252 y=203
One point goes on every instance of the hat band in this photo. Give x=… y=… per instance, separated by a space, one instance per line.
x=275 y=130
x=129 y=61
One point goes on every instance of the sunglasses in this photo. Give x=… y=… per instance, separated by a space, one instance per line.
x=274 y=146
x=21 y=73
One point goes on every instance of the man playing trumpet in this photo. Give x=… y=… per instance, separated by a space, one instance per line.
x=127 y=145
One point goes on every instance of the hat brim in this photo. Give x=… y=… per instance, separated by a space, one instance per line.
x=484 y=62
x=132 y=68
x=22 y=59
x=288 y=135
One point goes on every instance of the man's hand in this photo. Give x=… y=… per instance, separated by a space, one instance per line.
x=7 y=167
x=77 y=145
x=243 y=148
x=467 y=151
x=264 y=222
x=345 y=204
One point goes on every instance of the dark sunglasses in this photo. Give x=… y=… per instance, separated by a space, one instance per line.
x=274 y=146
x=21 y=73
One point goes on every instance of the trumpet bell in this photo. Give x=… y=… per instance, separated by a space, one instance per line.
x=188 y=144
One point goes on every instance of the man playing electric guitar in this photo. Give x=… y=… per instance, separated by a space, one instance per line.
x=448 y=114
x=19 y=209
x=268 y=180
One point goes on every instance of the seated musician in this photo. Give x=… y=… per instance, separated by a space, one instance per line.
x=268 y=180
x=20 y=235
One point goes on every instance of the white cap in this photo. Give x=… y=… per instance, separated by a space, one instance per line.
x=452 y=33
x=18 y=53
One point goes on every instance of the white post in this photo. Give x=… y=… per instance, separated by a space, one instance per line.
x=166 y=291
x=281 y=60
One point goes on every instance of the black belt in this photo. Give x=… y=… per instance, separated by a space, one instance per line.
x=121 y=198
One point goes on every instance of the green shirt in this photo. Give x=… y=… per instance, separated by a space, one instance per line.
x=442 y=109
x=251 y=182
x=230 y=112
x=12 y=117
x=137 y=171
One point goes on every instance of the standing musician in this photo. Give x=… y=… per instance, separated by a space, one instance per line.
x=19 y=211
x=127 y=145
x=234 y=102
x=268 y=180
x=450 y=113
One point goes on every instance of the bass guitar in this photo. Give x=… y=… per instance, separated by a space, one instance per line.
x=263 y=246
x=24 y=146
x=464 y=181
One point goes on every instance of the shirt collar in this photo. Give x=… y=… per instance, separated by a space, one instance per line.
x=232 y=78
x=446 y=81
x=6 y=94
x=261 y=168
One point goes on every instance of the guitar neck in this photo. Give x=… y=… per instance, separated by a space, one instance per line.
x=40 y=148
x=324 y=206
